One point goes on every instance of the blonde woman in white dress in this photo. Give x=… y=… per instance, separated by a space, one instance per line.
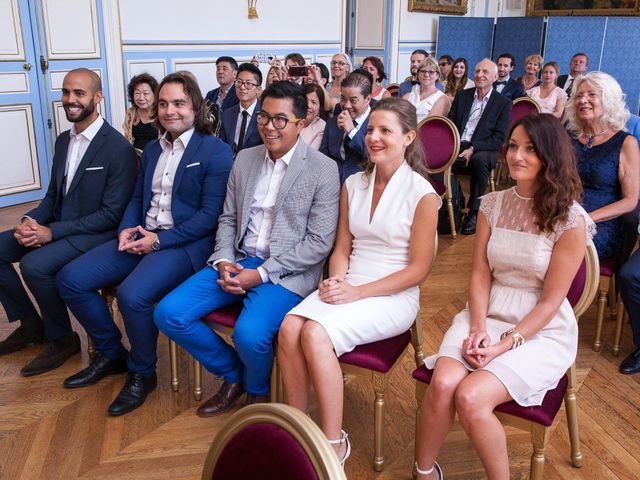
x=425 y=96
x=518 y=335
x=384 y=245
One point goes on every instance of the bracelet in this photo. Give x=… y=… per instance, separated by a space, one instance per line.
x=518 y=339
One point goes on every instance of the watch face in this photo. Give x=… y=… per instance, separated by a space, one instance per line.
x=156 y=245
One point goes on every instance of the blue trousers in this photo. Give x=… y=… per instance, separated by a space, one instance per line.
x=143 y=280
x=178 y=317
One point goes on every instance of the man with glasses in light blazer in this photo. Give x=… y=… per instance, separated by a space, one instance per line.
x=277 y=227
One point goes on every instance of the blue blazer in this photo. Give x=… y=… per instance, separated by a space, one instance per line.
x=197 y=198
x=512 y=89
x=332 y=143
x=229 y=101
x=89 y=213
x=229 y=121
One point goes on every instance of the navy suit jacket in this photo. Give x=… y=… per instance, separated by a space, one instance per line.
x=512 y=89
x=230 y=120
x=332 y=143
x=492 y=129
x=88 y=214
x=229 y=101
x=197 y=198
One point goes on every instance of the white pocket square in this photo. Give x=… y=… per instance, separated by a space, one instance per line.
x=193 y=164
x=94 y=168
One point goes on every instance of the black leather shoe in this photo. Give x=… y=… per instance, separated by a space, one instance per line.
x=631 y=364
x=469 y=225
x=133 y=394
x=52 y=356
x=99 y=368
x=20 y=338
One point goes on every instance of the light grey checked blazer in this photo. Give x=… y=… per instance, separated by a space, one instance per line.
x=305 y=221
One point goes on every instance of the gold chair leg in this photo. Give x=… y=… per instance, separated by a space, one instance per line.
x=602 y=303
x=197 y=380
x=492 y=183
x=613 y=300
x=571 y=408
x=539 y=437
x=91 y=350
x=452 y=220
x=621 y=318
x=275 y=395
x=173 y=359
x=379 y=387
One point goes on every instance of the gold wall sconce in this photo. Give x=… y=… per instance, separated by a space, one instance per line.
x=253 y=13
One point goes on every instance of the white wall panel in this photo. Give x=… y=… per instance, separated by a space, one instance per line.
x=11 y=82
x=226 y=21
x=204 y=69
x=158 y=69
x=370 y=24
x=56 y=77
x=417 y=25
x=19 y=165
x=11 y=44
x=71 y=29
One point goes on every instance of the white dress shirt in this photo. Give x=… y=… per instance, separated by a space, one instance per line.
x=249 y=110
x=477 y=108
x=78 y=144
x=500 y=87
x=159 y=215
x=567 y=82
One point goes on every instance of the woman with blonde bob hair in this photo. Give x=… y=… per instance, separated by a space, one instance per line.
x=425 y=96
x=608 y=157
x=532 y=65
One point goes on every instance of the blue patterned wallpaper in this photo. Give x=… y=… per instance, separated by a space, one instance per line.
x=466 y=37
x=519 y=36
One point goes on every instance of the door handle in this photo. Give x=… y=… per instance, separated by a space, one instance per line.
x=26 y=66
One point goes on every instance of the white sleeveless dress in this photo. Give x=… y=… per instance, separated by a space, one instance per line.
x=519 y=257
x=423 y=107
x=379 y=248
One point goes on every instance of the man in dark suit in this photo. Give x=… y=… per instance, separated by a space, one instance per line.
x=165 y=236
x=417 y=57
x=239 y=127
x=224 y=96
x=482 y=117
x=579 y=65
x=92 y=177
x=344 y=133
x=506 y=84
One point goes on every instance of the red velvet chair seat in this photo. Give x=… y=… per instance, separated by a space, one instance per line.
x=378 y=356
x=543 y=414
x=607 y=267
x=263 y=451
x=226 y=316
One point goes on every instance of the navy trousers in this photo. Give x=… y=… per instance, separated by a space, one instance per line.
x=265 y=305
x=143 y=280
x=628 y=278
x=39 y=267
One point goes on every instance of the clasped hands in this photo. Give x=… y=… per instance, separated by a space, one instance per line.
x=477 y=349
x=345 y=121
x=336 y=290
x=236 y=279
x=31 y=234
x=136 y=241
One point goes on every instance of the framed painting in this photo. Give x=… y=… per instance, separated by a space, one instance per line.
x=455 y=7
x=583 y=7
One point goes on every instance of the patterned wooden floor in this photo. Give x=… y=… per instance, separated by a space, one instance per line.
x=47 y=432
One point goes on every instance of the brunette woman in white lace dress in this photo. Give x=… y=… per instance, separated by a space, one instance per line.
x=517 y=335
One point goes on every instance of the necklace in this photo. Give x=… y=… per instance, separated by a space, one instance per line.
x=591 y=138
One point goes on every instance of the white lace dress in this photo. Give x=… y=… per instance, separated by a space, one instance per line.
x=519 y=256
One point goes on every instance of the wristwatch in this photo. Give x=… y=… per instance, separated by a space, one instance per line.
x=155 y=246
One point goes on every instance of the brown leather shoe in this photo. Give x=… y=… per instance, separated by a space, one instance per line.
x=251 y=399
x=52 y=356
x=20 y=338
x=221 y=401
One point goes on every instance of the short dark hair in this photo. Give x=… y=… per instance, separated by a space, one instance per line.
x=137 y=80
x=421 y=51
x=376 y=62
x=283 y=89
x=295 y=57
x=202 y=123
x=580 y=54
x=509 y=56
x=359 y=78
x=319 y=91
x=230 y=60
x=251 y=68
x=324 y=71
x=448 y=58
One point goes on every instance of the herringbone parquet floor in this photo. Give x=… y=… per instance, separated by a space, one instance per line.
x=48 y=432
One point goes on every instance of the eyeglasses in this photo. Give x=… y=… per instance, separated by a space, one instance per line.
x=427 y=72
x=278 y=123
x=338 y=63
x=245 y=84
x=443 y=64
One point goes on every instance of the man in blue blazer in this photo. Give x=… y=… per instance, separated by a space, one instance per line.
x=344 y=133
x=165 y=236
x=92 y=178
x=225 y=95
x=506 y=84
x=239 y=127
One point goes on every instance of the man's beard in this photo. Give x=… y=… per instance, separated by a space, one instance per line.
x=84 y=113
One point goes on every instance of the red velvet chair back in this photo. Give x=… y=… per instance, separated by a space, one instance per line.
x=440 y=141
x=522 y=107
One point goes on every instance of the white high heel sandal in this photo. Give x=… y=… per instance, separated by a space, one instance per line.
x=430 y=471
x=343 y=439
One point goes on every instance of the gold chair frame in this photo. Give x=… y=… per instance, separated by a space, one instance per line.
x=297 y=424
x=540 y=434
x=446 y=168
